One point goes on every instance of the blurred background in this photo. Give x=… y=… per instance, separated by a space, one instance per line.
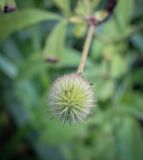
x=42 y=40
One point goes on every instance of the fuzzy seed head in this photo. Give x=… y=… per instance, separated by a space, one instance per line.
x=71 y=98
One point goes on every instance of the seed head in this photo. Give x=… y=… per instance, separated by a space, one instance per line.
x=71 y=98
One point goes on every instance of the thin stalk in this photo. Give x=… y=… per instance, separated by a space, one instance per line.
x=86 y=49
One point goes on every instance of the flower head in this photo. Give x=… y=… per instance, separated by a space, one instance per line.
x=71 y=98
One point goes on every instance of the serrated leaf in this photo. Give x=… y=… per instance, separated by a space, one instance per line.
x=10 y=23
x=55 y=42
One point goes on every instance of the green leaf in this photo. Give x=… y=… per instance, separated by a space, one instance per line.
x=118 y=66
x=64 y=5
x=24 y=89
x=10 y=23
x=69 y=57
x=132 y=103
x=55 y=42
x=80 y=30
x=128 y=137
x=34 y=65
x=56 y=134
x=125 y=10
x=7 y=67
x=123 y=13
x=94 y=4
x=83 y=8
x=137 y=40
x=104 y=89
x=86 y=7
x=96 y=49
x=118 y=26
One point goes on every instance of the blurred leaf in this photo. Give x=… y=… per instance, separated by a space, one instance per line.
x=7 y=67
x=4 y=3
x=64 y=5
x=137 y=40
x=118 y=66
x=99 y=75
x=24 y=89
x=83 y=8
x=69 y=57
x=114 y=131
x=132 y=103
x=12 y=22
x=137 y=76
x=12 y=51
x=96 y=49
x=86 y=7
x=57 y=134
x=129 y=140
x=111 y=31
x=104 y=89
x=118 y=26
x=32 y=67
x=122 y=134
x=94 y=4
x=80 y=30
x=123 y=13
x=55 y=42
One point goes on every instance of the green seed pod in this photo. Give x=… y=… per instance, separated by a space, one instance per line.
x=71 y=98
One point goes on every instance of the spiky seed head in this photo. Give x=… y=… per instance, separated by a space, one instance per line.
x=71 y=98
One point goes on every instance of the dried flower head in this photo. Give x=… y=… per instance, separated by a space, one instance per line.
x=71 y=98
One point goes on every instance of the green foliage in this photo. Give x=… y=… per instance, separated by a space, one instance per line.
x=8 y=67
x=59 y=43
x=38 y=45
x=64 y=5
x=14 y=21
x=3 y=3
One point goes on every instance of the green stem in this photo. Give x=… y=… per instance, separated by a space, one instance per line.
x=86 y=49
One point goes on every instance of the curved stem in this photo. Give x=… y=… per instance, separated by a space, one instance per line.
x=86 y=49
